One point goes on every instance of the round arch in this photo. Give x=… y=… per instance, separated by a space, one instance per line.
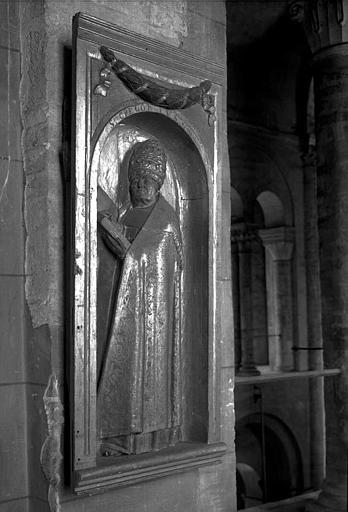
x=271 y=438
x=237 y=207
x=189 y=185
x=272 y=208
x=251 y=176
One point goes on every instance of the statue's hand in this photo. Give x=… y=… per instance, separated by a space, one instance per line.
x=115 y=245
x=103 y=214
x=112 y=235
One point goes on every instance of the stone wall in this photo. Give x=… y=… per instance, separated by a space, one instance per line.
x=13 y=378
x=198 y=27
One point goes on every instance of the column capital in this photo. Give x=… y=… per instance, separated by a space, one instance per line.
x=324 y=21
x=243 y=232
x=279 y=242
x=309 y=159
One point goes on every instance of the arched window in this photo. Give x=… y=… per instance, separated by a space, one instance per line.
x=272 y=208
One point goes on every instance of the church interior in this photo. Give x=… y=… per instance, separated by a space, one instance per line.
x=174 y=255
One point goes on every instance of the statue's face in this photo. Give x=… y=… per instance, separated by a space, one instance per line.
x=143 y=191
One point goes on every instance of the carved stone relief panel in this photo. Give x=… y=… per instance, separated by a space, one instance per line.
x=144 y=295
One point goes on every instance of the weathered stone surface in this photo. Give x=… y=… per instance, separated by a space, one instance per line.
x=9 y=35
x=12 y=361
x=208 y=496
x=13 y=452
x=34 y=109
x=36 y=434
x=10 y=128
x=161 y=495
x=17 y=505
x=224 y=246
x=13 y=432
x=11 y=218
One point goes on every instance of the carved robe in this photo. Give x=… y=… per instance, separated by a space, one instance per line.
x=139 y=388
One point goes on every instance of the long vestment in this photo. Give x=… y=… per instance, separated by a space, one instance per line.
x=139 y=387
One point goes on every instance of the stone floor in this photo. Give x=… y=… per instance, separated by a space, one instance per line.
x=296 y=504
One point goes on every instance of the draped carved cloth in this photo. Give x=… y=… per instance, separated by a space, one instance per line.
x=139 y=387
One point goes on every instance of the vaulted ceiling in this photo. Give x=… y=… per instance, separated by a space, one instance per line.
x=268 y=65
x=249 y=20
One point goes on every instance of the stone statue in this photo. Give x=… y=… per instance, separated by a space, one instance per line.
x=139 y=396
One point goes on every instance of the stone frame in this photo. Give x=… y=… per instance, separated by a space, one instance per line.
x=179 y=68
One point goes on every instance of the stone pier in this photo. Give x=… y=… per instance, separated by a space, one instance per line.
x=331 y=107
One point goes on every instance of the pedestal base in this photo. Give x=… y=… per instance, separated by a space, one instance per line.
x=133 y=444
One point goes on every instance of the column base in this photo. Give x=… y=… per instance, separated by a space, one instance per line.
x=282 y=369
x=246 y=371
x=330 y=500
x=328 y=503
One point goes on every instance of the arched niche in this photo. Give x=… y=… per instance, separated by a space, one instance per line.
x=186 y=190
x=267 y=445
x=195 y=181
x=254 y=170
x=272 y=209
x=237 y=207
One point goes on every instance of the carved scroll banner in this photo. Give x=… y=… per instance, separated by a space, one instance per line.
x=151 y=91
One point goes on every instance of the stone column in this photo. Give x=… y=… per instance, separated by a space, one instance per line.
x=259 y=303
x=326 y=29
x=315 y=360
x=242 y=234
x=278 y=243
x=314 y=330
x=330 y=67
x=235 y=304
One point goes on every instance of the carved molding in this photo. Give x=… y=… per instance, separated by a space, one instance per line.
x=51 y=456
x=91 y=29
x=184 y=457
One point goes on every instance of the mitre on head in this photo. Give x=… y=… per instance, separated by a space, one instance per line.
x=148 y=159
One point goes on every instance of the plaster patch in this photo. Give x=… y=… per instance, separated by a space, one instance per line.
x=169 y=18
